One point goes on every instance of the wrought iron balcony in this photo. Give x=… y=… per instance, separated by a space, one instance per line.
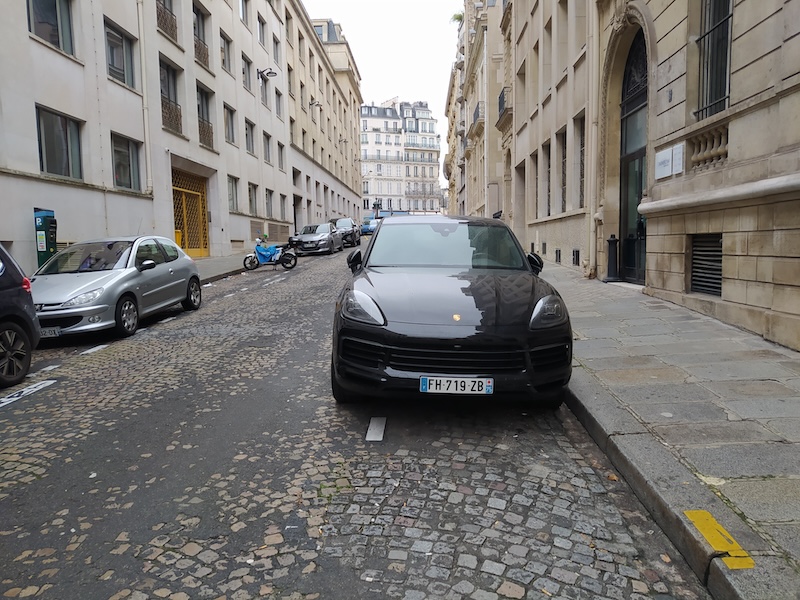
x=166 y=21
x=478 y=120
x=504 y=109
x=206 y=130
x=200 y=51
x=171 y=115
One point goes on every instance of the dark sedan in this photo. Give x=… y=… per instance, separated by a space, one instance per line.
x=449 y=305
x=351 y=231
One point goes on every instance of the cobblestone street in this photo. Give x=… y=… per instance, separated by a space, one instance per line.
x=205 y=458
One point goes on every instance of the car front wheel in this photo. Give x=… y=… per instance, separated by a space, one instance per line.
x=127 y=316
x=15 y=354
x=341 y=395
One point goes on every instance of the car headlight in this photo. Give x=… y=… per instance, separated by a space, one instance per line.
x=84 y=298
x=360 y=307
x=549 y=311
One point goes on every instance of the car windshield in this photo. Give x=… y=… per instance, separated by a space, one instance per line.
x=323 y=228
x=450 y=243
x=88 y=256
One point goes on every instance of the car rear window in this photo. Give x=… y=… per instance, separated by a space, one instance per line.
x=453 y=244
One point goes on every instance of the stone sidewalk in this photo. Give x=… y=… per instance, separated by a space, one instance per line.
x=698 y=416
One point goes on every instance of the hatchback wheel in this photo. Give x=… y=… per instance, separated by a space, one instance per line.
x=194 y=296
x=127 y=316
x=15 y=354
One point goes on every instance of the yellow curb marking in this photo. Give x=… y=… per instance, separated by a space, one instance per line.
x=720 y=540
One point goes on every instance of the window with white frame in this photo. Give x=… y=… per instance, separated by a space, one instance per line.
x=126 y=162
x=247 y=73
x=249 y=136
x=281 y=149
x=276 y=50
x=279 y=104
x=233 y=193
x=283 y=207
x=119 y=55
x=252 y=198
x=267 y=147
x=51 y=20
x=263 y=86
x=59 y=144
x=225 y=52
x=230 y=124
x=268 y=193
x=244 y=11
x=262 y=31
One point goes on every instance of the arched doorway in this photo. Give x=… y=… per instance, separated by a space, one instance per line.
x=633 y=162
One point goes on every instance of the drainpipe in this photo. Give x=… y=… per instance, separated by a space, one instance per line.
x=148 y=161
x=592 y=142
x=487 y=210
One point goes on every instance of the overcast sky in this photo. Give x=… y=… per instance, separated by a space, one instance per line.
x=404 y=49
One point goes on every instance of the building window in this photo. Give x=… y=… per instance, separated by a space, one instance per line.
x=252 y=198
x=171 y=116
x=276 y=50
x=280 y=156
x=562 y=148
x=119 y=55
x=225 y=52
x=262 y=31
x=279 y=104
x=233 y=193
x=205 y=128
x=51 y=20
x=268 y=200
x=581 y=162
x=247 y=68
x=59 y=144
x=714 y=46
x=283 y=207
x=249 y=136
x=263 y=86
x=230 y=124
x=547 y=168
x=200 y=46
x=267 y=147
x=126 y=162
x=244 y=11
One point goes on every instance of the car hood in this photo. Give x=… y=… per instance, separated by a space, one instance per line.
x=478 y=298
x=55 y=289
x=312 y=237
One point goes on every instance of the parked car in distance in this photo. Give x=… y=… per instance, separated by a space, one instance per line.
x=113 y=283
x=351 y=232
x=319 y=238
x=372 y=225
x=19 y=326
x=449 y=305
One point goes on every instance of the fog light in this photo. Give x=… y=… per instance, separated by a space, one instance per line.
x=94 y=319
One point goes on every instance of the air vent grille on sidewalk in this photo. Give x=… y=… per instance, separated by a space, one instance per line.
x=707 y=264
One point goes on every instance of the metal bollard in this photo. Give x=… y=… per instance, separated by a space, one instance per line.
x=612 y=274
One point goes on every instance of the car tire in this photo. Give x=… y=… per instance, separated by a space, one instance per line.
x=194 y=295
x=126 y=316
x=15 y=354
x=341 y=395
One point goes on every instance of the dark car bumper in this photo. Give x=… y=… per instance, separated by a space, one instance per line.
x=372 y=362
x=351 y=238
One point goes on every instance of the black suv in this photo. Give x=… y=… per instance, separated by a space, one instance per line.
x=351 y=231
x=19 y=327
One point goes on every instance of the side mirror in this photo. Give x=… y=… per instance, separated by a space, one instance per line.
x=354 y=260
x=147 y=265
x=536 y=262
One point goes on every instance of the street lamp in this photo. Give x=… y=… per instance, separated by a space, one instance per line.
x=266 y=73
x=314 y=103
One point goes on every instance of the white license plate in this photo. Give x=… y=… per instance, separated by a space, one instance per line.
x=49 y=332
x=456 y=385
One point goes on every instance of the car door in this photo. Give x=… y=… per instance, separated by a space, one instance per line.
x=154 y=284
x=337 y=237
x=178 y=270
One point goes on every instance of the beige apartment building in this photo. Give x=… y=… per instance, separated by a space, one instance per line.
x=211 y=122
x=658 y=143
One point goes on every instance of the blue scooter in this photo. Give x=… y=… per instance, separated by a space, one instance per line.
x=276 y=254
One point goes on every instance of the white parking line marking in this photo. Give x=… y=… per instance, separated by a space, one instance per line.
x=49 y=368
x=168 y=319
x=228 y=295
x=95 y=349
x=25 y=392
x=377 y=425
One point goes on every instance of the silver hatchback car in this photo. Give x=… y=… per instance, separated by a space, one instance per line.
x=112 y=282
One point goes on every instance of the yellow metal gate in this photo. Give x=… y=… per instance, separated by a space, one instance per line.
x=191 y=208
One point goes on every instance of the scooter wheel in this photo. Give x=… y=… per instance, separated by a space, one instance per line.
x=289 y=261
x=250 y=262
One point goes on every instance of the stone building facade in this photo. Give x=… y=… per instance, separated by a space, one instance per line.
x=666 y=138
x=208 y=121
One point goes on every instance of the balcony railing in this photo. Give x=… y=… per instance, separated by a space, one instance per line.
x=166 y=21
x=200 y=51
x=206 y=130
x=171 y=114
x=478 y=120
x=504 y=108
